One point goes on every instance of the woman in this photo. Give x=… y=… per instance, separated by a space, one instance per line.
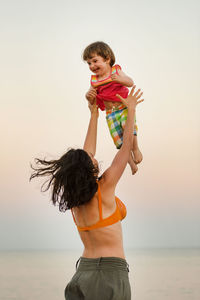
x=102 y=272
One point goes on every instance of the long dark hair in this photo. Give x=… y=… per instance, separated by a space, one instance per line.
x=73 y=178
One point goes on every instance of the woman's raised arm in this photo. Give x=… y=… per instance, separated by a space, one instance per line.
x=91 y=136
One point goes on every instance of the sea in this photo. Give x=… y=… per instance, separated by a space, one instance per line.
x=155 y=274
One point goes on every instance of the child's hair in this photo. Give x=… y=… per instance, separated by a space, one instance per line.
x=101 y=49
x=73 y=178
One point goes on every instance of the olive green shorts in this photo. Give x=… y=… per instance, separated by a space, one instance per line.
x=104 y=278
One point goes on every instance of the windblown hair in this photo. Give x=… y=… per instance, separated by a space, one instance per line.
x=101 y=49
x=73 y=178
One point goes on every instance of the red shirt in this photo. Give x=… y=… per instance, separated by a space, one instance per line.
x=107 y=89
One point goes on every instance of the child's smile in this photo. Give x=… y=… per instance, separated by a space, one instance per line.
x=99 y=66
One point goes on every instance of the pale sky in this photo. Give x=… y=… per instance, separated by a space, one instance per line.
x=43 y=82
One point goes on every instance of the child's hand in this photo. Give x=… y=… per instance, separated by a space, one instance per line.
x=91 y=95
x=116 y=78
x=133 y=98
x=122 y=78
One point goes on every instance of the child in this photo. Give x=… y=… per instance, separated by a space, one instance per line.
x=108 y=82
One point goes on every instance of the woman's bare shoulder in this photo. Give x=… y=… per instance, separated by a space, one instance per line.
x=107 y=191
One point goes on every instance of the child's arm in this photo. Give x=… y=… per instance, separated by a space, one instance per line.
x=91 y=95
x=122 y=78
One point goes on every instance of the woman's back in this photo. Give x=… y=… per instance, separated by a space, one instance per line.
x=101 y=212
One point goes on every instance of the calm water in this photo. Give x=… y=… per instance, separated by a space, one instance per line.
x=172 y=274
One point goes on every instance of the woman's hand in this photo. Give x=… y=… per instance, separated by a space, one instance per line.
x=91 y=95
x=133 y=98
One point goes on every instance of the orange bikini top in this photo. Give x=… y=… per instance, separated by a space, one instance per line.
x=118 y=215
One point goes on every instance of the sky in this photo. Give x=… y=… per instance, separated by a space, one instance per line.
x=43 y=82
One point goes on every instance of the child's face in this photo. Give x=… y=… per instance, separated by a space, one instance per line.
x=98 y=65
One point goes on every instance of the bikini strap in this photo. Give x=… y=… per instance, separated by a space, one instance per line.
x=100 y=203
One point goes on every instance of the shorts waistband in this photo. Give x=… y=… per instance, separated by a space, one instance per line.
x=111 y=263
x=115 y=108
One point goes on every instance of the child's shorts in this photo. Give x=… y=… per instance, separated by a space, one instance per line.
x=104 y=278
x=116 y=120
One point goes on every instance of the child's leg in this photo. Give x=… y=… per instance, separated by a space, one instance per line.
x=132 y=164
x=116 y=131
x=137 y=155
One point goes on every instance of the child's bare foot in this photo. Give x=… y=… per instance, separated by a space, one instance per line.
x=137 y=155
x=132 y=164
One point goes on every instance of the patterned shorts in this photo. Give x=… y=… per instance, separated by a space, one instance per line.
x=116 y=120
